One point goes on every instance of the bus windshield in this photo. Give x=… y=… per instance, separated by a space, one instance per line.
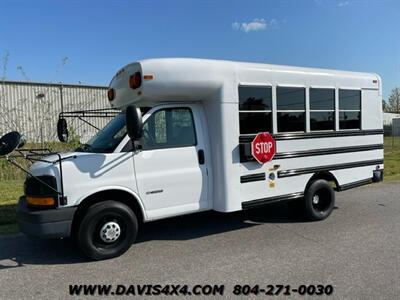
x=108 y=138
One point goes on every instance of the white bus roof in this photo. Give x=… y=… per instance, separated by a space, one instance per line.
x=223 y=63
x=176 y=79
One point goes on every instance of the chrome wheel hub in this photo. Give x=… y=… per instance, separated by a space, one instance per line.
x=315 y=199
x=110 y=232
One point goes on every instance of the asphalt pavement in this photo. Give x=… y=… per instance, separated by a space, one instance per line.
x=356 y=250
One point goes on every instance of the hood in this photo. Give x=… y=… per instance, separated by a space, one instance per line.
x=50 y=163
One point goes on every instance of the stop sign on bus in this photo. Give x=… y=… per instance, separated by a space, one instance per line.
x=263 y=147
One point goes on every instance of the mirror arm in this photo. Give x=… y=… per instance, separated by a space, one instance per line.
x=90 y=124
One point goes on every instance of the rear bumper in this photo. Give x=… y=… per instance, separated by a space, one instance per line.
x=48 y=223
x=377 y=175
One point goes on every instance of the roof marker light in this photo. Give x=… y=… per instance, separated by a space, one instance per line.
x=148 y=77
x=111 y=94
x=135 y=80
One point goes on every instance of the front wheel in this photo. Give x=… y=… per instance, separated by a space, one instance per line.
x=107 y=230
x=319 y=200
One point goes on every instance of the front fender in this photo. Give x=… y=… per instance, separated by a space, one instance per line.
x=119 y=188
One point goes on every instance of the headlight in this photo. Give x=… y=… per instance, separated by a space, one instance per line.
x=41 y=193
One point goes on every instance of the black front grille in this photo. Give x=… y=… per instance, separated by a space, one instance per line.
x=34 y=187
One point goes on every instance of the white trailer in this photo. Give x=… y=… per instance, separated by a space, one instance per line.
x=191 y=150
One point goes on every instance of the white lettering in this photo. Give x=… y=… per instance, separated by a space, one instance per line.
x=263 y=148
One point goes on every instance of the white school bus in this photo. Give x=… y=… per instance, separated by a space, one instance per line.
x=186 y=141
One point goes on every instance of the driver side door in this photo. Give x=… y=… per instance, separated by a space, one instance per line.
x=171 y=169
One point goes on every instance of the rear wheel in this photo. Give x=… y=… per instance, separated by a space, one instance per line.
x=319 y=200
x=107 y=230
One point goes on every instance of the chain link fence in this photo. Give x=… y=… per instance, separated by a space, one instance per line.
x=392 y=133
x=392 y=147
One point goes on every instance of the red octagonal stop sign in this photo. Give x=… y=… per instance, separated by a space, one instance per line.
x=263 y=147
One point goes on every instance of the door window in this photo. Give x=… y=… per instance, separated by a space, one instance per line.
x=169 y=128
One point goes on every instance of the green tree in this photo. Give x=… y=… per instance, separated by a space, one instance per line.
x=385 y=107
x=394 y=101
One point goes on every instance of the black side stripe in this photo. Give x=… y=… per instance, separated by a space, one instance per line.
x=301 y=171
x=312 y=135
x=252 y=177
x=245 y=155
x=264 y=201
x=327 y=151
x=351 y=185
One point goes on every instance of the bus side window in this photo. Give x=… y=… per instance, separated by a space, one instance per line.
x=349 y=109
x=255 y=109
x=322 y=109
x=291 y=108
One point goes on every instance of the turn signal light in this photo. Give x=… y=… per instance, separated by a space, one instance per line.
x=111 y=94
x=135 y=80
x=40 y=201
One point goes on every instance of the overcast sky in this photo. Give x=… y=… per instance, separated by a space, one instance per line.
x=88 y=41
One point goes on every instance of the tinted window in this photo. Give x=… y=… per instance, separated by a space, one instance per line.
x=291 y=121
x=255 y=98
x=255 y=122
x=322 y=99
x=169 y=128
x=349 y=109
x=349 y=100
x=255 y=104
x=322 y=120
x=349 y=120
x=290 y=98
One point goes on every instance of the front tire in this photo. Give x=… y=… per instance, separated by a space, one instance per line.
x=107 y=230
x=319 y=200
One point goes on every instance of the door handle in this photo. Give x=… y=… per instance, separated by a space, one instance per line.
x=200 y=155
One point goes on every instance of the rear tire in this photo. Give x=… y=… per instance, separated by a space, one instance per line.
x=319 y=200
x=107 y=230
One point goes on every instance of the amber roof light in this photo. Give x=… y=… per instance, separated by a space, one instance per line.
x=111 y=94
x=135 y=80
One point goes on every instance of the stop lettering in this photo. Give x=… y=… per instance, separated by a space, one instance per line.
x=263 y=147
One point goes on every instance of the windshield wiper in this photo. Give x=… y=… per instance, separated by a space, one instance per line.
x=84 y=148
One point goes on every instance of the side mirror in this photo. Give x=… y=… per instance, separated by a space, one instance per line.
x=62 y=130
x=133 y=122
x=9 y=142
